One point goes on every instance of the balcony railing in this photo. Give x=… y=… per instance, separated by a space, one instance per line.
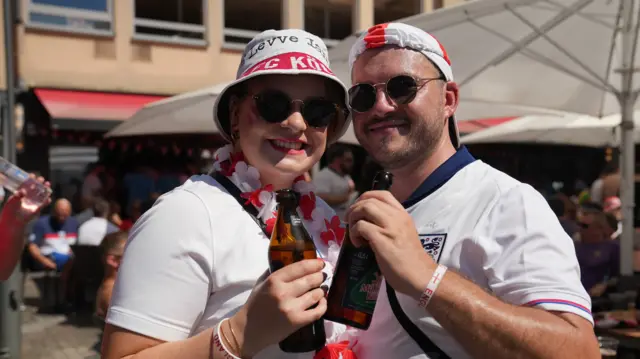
x=237 y=39
x=170 y=32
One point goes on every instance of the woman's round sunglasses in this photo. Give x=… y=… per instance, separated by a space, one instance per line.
x=275 y=106
x=400 y=89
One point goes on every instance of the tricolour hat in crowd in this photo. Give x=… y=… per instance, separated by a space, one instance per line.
x=612 y=203
x=272 y=52
x=410 y=37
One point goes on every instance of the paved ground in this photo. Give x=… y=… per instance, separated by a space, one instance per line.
x=55 y=336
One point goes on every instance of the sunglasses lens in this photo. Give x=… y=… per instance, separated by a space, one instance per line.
x=362 y=97
x=402 y=89
x=273 y=106
x=319 y=112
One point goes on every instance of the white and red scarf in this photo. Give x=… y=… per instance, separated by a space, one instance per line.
x=322 y=224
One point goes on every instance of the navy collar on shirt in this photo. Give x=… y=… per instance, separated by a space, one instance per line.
x=440 y=176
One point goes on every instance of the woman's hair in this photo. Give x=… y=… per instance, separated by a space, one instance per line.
x=335 y=93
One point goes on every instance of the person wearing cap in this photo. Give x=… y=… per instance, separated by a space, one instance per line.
x=14 y=218
x=475 y=263
x=194 y=280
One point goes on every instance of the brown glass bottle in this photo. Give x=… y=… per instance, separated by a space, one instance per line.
x=290 y=243
x=357 y=278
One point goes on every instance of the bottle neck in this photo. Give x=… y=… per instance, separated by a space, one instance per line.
x=288 y=210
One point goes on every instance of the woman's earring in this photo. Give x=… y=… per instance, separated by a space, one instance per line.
x=234 y=136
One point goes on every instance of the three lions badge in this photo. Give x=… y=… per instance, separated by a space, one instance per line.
x=433 y=244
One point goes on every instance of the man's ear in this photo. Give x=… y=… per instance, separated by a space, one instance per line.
x=452 y=98
x=111 y=261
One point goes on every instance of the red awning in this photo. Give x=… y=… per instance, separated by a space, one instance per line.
x=471 y=126
x=82 y=105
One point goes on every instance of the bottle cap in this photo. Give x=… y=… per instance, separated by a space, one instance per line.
x=286 y=194
x=382 y=181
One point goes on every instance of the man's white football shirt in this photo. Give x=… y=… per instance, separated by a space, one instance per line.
x=495 y=231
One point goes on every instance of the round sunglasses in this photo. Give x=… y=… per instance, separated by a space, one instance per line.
x=401 y=90
x=275 y=106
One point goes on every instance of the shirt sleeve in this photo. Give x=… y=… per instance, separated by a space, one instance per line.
x=164 y=281
x=112 y=228
x=529 y=259
x=37 y=234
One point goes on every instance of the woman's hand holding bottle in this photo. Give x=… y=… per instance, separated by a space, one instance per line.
x=281 y=303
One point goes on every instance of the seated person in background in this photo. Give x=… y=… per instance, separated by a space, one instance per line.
x=598 y=255
x=112 y=250
x=51 y=240
x=586 y=211
x=94 y=230
x=137 y=210
x=570 y=226
x=139 y=186
x=333 y=183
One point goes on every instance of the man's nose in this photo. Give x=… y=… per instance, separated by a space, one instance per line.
x=383 y=104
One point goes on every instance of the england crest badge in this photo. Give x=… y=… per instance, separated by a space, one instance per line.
x=433 y=244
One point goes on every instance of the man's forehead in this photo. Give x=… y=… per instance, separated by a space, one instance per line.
x=378 y=65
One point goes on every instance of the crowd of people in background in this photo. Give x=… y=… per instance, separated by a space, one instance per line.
x=99 y=213
x=592 y=216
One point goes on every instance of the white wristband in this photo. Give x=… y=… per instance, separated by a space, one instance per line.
x=218 y=344
x=438 y=274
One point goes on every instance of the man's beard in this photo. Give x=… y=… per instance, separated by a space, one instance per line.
x=420 y=142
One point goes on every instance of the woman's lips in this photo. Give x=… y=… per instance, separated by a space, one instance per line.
x=291 y=147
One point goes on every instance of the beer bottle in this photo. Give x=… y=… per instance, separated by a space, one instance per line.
x=290 y=242
x=357 y=278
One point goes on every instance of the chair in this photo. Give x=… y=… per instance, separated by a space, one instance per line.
x=86 y=275
x=50 y=279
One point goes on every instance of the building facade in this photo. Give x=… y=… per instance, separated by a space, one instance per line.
x=83 y=66
x=171 y=46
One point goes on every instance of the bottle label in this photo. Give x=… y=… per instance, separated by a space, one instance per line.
x=363 y=282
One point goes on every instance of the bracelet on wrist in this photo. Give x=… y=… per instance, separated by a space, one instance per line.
x=428 y=293
x=233 y=336
x=218 y=342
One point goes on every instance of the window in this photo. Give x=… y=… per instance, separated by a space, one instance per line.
x=330 y=21
x=176 y=21
x=244 y=19
x=84 y=16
